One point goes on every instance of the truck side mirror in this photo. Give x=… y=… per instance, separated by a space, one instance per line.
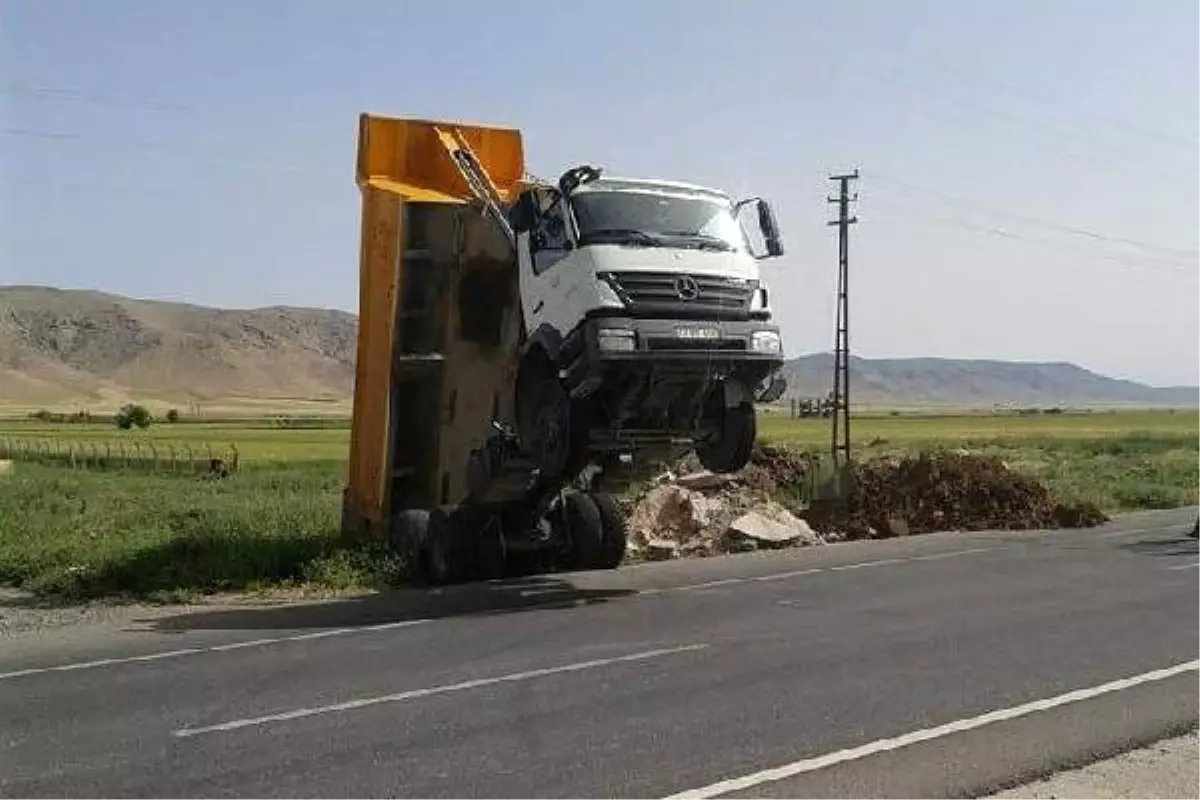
x=770 y=229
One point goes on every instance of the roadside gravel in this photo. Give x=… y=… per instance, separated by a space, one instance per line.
x=1168 y=768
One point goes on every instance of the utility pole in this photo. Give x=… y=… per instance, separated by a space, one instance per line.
x=841 y=342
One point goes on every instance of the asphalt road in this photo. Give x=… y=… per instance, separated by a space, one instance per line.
x=942 y=665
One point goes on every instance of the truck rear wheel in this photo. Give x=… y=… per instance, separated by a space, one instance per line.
x=445 y=558
x=491 y=551
x=409 y=532
x=614 y=529
x=584 y=530
x=729 y=448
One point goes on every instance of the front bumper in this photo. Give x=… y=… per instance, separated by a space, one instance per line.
x=713 y=347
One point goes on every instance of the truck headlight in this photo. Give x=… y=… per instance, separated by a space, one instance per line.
x=766 y=342
x=616 y=340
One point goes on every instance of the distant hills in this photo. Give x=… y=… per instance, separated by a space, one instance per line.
x=83 y=348
x=80 y=347
x=942 y=381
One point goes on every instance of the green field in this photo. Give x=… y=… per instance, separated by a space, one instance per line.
x=85 y=533
x=256 y=440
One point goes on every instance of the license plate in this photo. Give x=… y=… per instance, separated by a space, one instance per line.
x=697 y=333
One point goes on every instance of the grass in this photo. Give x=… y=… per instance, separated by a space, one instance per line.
x=78 y=534
x=256 y=440
x=1120 y=461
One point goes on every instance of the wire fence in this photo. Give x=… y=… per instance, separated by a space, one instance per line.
x=107 y=455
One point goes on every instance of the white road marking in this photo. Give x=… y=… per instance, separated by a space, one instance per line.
x=531 y=592
x=434 y=690
x=1126 y=532
x=953 y=554
x=863 y=564
x=783 y=575
x=541 y=592
x=220 y=648
x=779 y=576
x=884 y=745
x=1185 y=566
x=1131 y=531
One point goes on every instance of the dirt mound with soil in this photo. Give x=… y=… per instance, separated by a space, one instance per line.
x=781 y=498
x=943 y=491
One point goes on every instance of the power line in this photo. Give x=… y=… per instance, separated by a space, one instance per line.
x=60 y=94
x=39 y=134
x=1012 y=89
x=67 y=94
x=1006 y=234
x=153 y=145
x=1072 y=229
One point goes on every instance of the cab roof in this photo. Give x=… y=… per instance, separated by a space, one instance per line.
x=607 y=183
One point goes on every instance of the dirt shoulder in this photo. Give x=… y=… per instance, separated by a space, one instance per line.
x=1168 y=768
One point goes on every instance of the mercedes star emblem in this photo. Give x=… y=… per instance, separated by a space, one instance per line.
x=687 y=288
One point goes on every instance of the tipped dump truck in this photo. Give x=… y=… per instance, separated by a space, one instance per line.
x=525 y=347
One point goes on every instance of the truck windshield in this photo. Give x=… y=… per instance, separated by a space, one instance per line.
x=652 y=219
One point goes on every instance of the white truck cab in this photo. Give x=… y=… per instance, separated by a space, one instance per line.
x=647 y=319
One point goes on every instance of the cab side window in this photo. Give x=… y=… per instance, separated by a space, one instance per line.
x=550 y=238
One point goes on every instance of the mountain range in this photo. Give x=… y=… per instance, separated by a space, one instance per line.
x=85 y=348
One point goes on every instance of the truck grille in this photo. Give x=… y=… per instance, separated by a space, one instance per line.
x=679 y=294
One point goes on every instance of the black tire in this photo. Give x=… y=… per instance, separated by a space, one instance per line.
x=443 y=560
x=550 y=427
x=491 y=552
x=584 y=529
x=616 y=531
x=730 y=448
x=535 y=368
x=409 y=532
x=550 y=441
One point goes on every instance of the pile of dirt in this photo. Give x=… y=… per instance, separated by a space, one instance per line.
x=692 y=512
x=943 y=491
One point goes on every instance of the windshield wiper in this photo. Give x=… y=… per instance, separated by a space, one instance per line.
x=622 y=236
x=703 y=241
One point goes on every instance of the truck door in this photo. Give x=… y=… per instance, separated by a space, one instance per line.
x=539 y=252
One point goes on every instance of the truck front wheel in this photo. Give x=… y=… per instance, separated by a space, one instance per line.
x=549 y=431
x=728 y=448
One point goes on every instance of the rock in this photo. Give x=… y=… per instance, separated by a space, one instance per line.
x=703 y=480
x=661 y=549
x=773 y=526
x=684 y=517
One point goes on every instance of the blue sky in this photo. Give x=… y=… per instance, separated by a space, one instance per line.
x=1029 y=184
